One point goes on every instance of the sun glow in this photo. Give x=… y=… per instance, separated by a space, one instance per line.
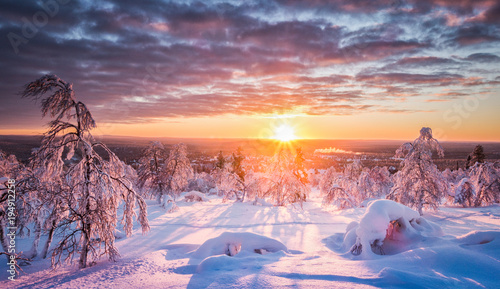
x=284 y=133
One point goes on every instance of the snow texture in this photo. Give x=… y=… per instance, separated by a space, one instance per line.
x=315 y=256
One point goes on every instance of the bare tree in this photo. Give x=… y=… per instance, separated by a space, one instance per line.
x=94 y=183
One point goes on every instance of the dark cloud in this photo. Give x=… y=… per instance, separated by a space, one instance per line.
x=410 y=78
x=483 y=57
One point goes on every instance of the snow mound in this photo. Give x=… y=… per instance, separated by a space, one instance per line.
x=388 y=227
x=169 y=204
x=480 y=238
x=244 y=261
x=195 y=196
x=233 y=244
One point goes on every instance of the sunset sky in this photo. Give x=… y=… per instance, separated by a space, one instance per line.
x=329 y=69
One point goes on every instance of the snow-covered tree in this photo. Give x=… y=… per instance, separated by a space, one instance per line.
x=284 y=186
x=151 y=173
x=382 y=182
x=221 y=161
x=347 y=189
x=299 y=166
x=178 y=171
x=230 y=176
x=419 y=184
x=94 y=182
x=237 y=168
x=327 y=180
x=485 y=179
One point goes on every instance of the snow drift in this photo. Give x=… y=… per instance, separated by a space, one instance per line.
x=232 y=243
x=247 y=248
x=388 y=227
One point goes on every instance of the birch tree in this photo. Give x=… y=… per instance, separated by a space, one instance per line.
x=94 y=183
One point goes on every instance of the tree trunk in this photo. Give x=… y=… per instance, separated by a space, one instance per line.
x=34 y=249
x=85 y=245
x=3 y=236
x=49 y=240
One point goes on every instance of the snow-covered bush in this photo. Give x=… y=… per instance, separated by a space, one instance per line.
x=388 y=227
x=464 y=193
x=337 y=196
x=202 y=182
x=328 y=180
x=355 y=185
x=419 y=184
x=195 y=196
x=382 y=182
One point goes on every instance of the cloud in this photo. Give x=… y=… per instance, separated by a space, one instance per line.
x=411 y=78
x=142 y=61
x=483 y=57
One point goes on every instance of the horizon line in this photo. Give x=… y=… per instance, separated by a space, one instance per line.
x=257 y=138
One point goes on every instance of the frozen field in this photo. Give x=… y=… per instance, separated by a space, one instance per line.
x=166 y=257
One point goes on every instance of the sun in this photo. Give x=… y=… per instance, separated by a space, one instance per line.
x=284 y=133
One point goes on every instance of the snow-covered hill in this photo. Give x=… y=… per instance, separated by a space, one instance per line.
x=310 y=256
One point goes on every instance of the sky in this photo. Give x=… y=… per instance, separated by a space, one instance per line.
x=353 y=69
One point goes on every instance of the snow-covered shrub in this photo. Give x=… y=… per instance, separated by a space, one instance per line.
x=195 y=196
x=256 y=185
x=328 y=179
x=382 y=182
x=169 y=204
x=355 y=185
x=419 y=184
x=464 y=193
x=341 y=189
x=203 y=182
x=337 y=196
x=388 y=227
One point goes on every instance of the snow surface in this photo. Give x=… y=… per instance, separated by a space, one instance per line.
x=179 y=251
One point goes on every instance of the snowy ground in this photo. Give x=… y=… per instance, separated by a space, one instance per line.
x=165 y=257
